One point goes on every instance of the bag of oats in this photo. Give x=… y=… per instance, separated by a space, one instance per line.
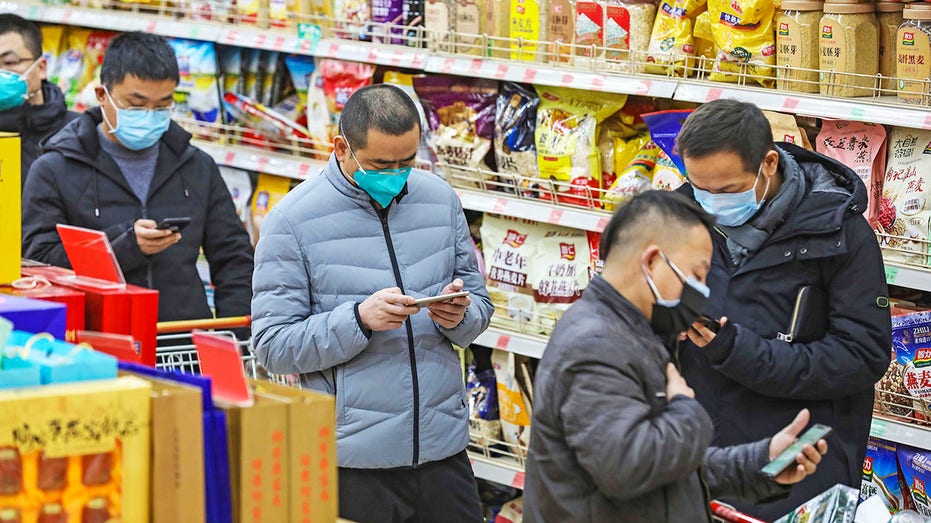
x=905 y=209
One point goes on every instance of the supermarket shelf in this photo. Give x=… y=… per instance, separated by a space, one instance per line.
x=909 y=277
x=899 y=432
x=381 y=54
x=547 y=75
x=500 y=339
x=497 y=471
x=864 y=109
x=251 y=159
x=536 y=211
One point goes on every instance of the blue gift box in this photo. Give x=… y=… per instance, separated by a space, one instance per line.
x=62 y=362
x=19 y=372
x=34 y=315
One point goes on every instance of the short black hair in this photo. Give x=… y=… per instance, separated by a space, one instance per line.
x=659 y=213
x=143 y=55
x=32 y=37
x=382 y=107
x=727 y=126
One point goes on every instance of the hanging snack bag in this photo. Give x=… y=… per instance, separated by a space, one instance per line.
x=341 y=80
x=881 y=475
x=388 y=18
x=240 y=188
x=231 y=68
x=352 y=16
x=916 y=470
x=785 y=128
x=515 y=119
x=509 y=246
x=269 y=190
x=52 y=36
x=635 y=178
x=272 y=79
x=862 y=147
x=566 y=139
x=71 y=64
x=301 y=69
x=560 y=272
x=319 y=123
x=671 y=43
x=198 y=94
x=426 y=156
x=664 y=129
x=594 y=249
x=905 y=205
x=461 y=113
x=742 y=31
x=482 y=394
x=667 y=175
x=514 y=409
x=252 y=81
x=911 y=342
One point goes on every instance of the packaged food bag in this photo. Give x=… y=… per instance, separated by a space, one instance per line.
x=198 y=92
x=426 y=155
x=671 y=43
x=559 y=272
x=837 y=505
x=635 y=178
x=52 y=36
x=916 y=470
x=785 y=129
x=461 y=113
x=509 y=247
x=514 y=408
x=594 y=249
x=71 y=62
x=862 y=147
x=566 y=134
x=301 y=69
x=515 y=120
x=667 y=175
x=742 y=31
x=482 y=394
x=881 y=475
x=340 y=80
x=511 y=512
x=664 y=129
x=905 y=208
x=269 y=190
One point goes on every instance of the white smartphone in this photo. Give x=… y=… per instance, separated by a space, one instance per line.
x=442 y=297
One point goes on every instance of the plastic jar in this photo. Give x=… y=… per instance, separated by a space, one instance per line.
x=913 y=54
x=797 y=48
x=849 y=49
x=889 y=15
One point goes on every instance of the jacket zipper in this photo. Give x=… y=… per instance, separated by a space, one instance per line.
x=149 y=277
x=793 y=325
x=383 y=216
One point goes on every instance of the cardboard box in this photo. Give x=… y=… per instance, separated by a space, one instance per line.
x=312 y=484
x=177 y=453
x=132 y=310
x=34 y=316
x=98 y=432
x=72 y=299
x=258 y=460
x=11 y=233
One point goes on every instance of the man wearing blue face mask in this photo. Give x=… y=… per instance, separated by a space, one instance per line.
x=29 y=104
x=797 y=280
x=339 y=265
x=124 y=167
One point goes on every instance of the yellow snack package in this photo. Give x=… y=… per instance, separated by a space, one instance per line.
x=743 y=35
x=51 y=49
x=567 y=127
x=636 y=177
x=672 y=43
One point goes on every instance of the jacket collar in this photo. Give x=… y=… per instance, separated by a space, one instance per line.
x=36 y=118
x=599 y=289
x=334 y=174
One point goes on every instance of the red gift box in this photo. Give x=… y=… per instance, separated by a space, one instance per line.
x=73 y=299
x=118 y=310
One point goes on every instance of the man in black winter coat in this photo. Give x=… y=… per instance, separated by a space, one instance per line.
x=41 y=111
x=617 y=434
x=124 y=167
x=798 y=275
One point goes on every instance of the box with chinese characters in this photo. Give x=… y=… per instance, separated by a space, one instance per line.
x=76 y=452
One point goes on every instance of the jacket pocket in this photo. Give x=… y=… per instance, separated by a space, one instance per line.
x=340 y=391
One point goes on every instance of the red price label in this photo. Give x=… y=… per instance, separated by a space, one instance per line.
x=927 y=123
x=303 y=170
x=602 y=223
x=501 y=72
x=447 y=66
x=790 y=103
x=500 y=205
x=518 y=481
x=598 y=82
x=555 y=216
x=396 y=58
x=529 y=75
x=644 y=88
x=417 y=62
x=151 y=27
x=567 y=80
x=713 y=94
x=67 y=16
x=260 y=40
x=475 y=66
x=228 y=159
x=231 y=37
x=373 y=56
x=279 y=43
x=263 y=163
x=503 y=342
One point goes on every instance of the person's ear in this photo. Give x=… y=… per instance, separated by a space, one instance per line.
x=101 y=94
x=42 y=66
x=650 y=256
x=770 y=164
x=341 y=148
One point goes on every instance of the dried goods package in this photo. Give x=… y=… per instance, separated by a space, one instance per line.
x=672 y=44
x=559 y=272
x=742 y=31
x=905 y=209
x=482 y=397
x=862 y=147
x=881 y=475
x=513 y=404
x=509 y=246
x=515 y=120
x=916 y=469
x=785 y=128
x=911 y=341
x=635 y=178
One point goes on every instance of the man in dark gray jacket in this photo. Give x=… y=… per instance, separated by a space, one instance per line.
x=618 y=435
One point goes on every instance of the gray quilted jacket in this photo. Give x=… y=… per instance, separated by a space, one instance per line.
x=324 y=248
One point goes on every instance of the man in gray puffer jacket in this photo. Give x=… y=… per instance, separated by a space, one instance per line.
x=340 y=262
x=617 y=434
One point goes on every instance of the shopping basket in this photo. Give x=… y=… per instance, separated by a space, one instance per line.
x=175 y=348
x=722 y=513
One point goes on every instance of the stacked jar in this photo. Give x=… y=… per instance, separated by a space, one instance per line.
x=849 y=49
x=889 y=15
x=797 y=57
x=913 y=54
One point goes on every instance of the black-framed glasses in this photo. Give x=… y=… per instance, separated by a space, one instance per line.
x=12 y=63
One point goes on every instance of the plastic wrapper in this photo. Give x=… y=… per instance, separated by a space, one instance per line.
x=319 y=122
x=566 y=134
x=515 y=120
x=301 y=69
x=559 y=273
x=482 y=394
x=881 y=475
x=664 y=129
x=905 y=205
x=742 y=31
x=426 y=156
x=509 y=246
x=341 y=80
x=265 y=121
x=514 y=406
x=785 y=129
x=272 y=78
x=635 y=178
x=916 y=470
x=269 y=190
x=352 y=16
x=52 y=36
x=667 y=175
x=461 y=113
x=251 y=72
x=594 y=249
x=389 y=17
x=231 y=69
x=511 y=512
x=911 y=342
x=862 y=147
x=198 y=92
x=672 y=44
x=836 y=505
x=239 y=185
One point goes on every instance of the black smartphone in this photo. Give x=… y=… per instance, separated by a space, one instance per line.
x=787 y=458
x=710 y=324
x=173 y=224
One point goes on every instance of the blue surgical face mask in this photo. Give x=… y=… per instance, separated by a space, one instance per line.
x=382 y=185
x=138 y=128
x=732 y=209
x=13 y=88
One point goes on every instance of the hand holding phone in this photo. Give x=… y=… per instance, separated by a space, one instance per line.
x=423 y=302
x=709 y=323
x=173 y=224
x=788 y=458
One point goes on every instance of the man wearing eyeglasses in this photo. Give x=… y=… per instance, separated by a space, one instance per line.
x=125 y=167
x=29 y=104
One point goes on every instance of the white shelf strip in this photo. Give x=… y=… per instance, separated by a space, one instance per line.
x=500 y=339
x=536 y=211
x=497 y=471
x=252 y=160
x=909 y=277
x=899 y=432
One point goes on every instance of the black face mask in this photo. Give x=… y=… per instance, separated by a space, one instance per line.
x=673 y=317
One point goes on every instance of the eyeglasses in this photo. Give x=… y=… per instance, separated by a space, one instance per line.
x=131 y=108
x=13 y=63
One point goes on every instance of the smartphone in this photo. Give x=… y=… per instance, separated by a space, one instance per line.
x=710 y=324
x=787 y=458
x=174 y=224
x=442 y=297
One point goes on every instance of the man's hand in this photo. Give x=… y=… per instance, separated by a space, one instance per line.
x=700 y=335
x=676 y=385
x=449 y=314
x=807 y=461
x=386 y=310
x=151 y=240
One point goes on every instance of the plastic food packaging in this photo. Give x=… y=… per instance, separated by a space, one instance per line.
x=916 y=469
x=341 y=80
x=742 y=31
x=509 y=246
x=482 y=394
x=527 y=29
x=862 y=147
x=905 y=208
x=426 y=155
x=889 y=16
x=836 y=505
x=913 y=55
x=628 y=25
x=672 y=44
x=265 y=121
x=559 y=273
x=197 y=95
x=881 y=475
x=514 y=407
x=664 y=129
x=515 y=120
